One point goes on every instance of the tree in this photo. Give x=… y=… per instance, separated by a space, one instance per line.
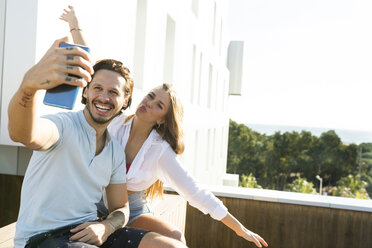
x=366 y=170
x=245 y=150
x=271 y=159
x=301 y=185
x=249 y=182
x=350 y=186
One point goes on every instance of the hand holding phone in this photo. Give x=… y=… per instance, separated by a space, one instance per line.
x=64 y=95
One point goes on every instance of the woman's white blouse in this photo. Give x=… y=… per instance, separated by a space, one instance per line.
x=157 y=160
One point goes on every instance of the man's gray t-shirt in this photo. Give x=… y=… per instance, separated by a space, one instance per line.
x=62 y=184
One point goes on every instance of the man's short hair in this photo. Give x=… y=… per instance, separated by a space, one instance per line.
x=116 y=66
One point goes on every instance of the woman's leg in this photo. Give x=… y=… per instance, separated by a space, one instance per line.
x=154 y=224
x=155 y=240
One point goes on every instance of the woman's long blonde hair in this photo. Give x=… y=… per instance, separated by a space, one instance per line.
x=171 y=131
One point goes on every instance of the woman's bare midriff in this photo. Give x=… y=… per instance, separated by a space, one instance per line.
x=131 y=192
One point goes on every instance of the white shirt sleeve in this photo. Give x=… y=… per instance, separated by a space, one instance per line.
x=171 y=172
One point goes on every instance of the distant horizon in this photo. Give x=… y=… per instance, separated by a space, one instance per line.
x=346 y=135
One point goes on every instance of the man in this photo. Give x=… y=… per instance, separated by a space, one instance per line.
x=74 y=157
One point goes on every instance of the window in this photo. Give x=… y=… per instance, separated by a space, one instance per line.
x=210 y=86
x=139 y=45
x=196 y=148
x=193 y=65
x=218 y=92
x=209 y=149
x=214 y=24
x=214 y=148
x=222 y=144
x=200 y=78
x=195 y=7
x=220 y=42
x=224 y=95
x=169 y=50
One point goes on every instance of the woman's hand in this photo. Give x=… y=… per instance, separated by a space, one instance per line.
x=243 y=232
x=69 y=16
x=251 y=236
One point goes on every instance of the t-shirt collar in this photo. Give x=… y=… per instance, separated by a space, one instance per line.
x=89 y=128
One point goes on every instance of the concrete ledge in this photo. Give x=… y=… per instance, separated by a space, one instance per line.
x=289 y=197
x=7 y=235
x=292 y=198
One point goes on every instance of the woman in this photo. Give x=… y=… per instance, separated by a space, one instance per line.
x=152 y=138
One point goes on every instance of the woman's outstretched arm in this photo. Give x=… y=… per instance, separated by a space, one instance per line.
x=171 y=172
x=70 y=17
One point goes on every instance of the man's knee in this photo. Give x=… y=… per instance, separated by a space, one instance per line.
x=154 y=240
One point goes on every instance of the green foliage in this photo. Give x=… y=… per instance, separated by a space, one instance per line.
x=366 y=147
x=245 y=150
x=300 y=185
x=366 y=169
x=367 y=155
x=350 y=186
x=249 y=182
x=272 y=159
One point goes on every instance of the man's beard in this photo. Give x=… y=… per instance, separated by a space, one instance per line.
x=99 y=120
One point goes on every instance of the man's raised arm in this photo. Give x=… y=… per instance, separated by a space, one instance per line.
x=52 y=70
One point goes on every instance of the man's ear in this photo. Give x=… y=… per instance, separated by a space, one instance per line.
x=85 y=91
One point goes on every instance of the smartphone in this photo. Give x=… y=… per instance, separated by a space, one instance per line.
x=64 y=95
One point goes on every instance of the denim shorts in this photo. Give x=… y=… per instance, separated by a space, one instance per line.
x=138 y=206
x=125 y=237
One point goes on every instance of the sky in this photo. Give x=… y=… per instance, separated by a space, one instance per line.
x=306 y=62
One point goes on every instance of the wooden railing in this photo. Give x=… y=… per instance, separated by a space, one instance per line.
x=282 y=225
x=10 y=192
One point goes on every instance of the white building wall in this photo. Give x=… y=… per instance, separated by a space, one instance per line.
x=181 y=42
x=2 y=30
